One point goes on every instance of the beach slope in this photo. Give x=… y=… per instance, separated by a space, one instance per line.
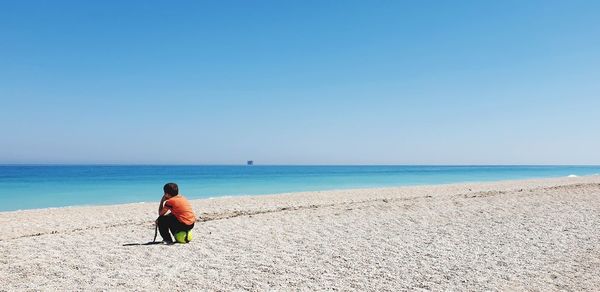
x=512 y=235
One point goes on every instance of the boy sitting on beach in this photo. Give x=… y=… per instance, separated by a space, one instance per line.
x=180 y=215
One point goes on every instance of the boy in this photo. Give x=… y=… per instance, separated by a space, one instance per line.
x=181 y=216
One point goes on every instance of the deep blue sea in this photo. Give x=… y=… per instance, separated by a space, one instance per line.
x=41 y=186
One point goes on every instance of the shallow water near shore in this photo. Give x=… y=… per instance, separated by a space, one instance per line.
x=42 y=186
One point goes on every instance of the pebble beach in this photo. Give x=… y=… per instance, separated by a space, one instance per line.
x=534 y=235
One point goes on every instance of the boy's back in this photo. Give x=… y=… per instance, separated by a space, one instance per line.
x=181 y=209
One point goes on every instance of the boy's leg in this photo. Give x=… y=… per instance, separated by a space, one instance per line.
x=178 y=226
x=164 y=224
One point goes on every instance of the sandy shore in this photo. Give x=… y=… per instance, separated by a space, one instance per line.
x=514 y=235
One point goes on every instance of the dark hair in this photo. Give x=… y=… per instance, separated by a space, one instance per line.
x=172 y=189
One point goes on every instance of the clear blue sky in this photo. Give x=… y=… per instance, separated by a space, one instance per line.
x=300 y=82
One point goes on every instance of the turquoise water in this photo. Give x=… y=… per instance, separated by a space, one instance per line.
x=34 y=186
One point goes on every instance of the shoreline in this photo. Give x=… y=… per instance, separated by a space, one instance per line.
x=227 y=196
x=247 y=203
x=535 y=234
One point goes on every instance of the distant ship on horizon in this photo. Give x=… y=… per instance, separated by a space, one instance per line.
x=250 y=162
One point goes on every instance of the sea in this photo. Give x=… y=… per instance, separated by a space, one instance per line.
x=44 y=186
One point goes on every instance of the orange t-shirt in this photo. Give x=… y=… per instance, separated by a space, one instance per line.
x=181 y=209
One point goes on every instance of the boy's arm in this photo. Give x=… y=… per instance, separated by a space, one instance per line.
x=163 y=211
x=160 y=207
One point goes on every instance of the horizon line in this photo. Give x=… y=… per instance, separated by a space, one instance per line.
x=283 y=164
